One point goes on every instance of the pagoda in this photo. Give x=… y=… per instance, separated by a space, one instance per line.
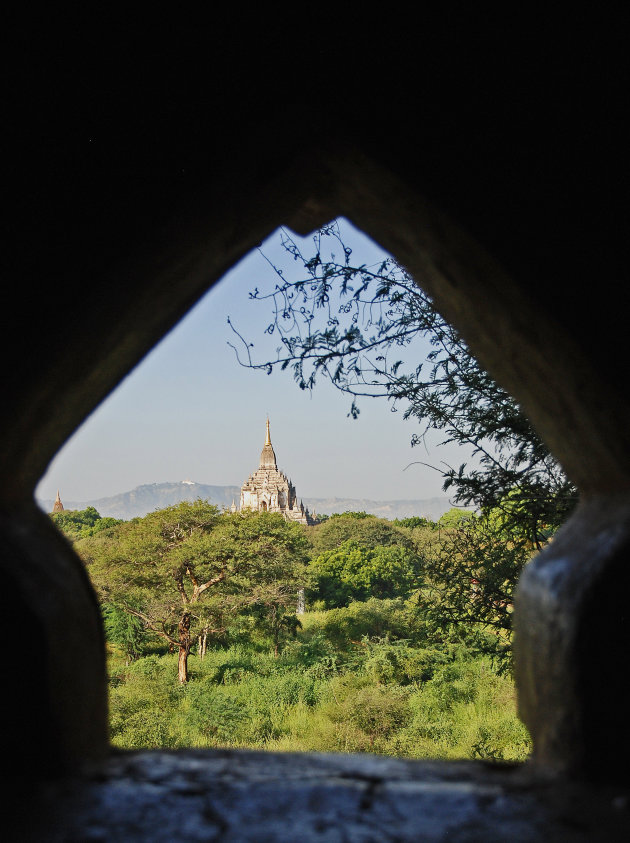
x=58 y=506
x=269 y=490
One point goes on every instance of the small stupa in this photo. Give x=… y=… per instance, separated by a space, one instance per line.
x=58 y=506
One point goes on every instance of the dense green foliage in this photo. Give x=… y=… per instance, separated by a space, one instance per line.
x=455 y=517
x=327 y=691
x=405 y=648
x=355 y=572
x=366 y=530
x=184 y=570
x=80 y=523
x=471 y=574
x=414 y=521
x=124 y=630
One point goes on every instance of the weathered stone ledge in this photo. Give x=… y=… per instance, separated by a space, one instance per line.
x=256 y=796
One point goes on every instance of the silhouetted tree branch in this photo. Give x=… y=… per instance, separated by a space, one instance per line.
x=358 y=326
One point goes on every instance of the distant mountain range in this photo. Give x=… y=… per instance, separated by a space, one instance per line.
x=147 y=498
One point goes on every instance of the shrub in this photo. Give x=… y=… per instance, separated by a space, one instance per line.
x=346 y=627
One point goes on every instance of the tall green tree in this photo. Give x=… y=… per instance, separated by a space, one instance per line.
x=356 y=572
x=471 y=574
x=350 y=323
x=182 y=568
x=270 y=556
x=273 y=608
x=454 y=517
x=159 y=569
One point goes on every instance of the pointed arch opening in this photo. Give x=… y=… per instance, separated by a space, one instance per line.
x=525 y=347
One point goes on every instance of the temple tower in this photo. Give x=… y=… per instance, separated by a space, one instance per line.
x=269 y=490
x=58 y=506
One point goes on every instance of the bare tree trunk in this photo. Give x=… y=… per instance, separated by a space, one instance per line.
x=184 y=647
x=203 y=640
x=276 y=631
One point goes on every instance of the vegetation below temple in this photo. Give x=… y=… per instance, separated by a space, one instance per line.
x=404 y=648
x=326 y=692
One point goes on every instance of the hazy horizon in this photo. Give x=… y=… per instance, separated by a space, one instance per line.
x=237 y=486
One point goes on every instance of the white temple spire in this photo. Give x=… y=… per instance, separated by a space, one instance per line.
x=269 y=490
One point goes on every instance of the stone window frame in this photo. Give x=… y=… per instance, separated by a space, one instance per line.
x=565 y=596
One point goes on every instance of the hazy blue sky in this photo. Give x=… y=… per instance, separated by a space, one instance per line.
x=190 y=411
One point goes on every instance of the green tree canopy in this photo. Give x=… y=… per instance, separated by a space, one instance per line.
x=126 y=631
x=356 y=572
x=272 y=554
x=366 y=530
x=415 y=521
x=182 y=568
x=80 y=523
x=455 y=517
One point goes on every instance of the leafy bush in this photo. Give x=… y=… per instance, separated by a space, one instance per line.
x=326 y=692
x=397 y=662
x=353 y=571
x=377 y=711
x=213 y=713
x=125 y=630
x=346 y=627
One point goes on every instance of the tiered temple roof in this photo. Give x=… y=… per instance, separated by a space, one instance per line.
x=269 y=490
